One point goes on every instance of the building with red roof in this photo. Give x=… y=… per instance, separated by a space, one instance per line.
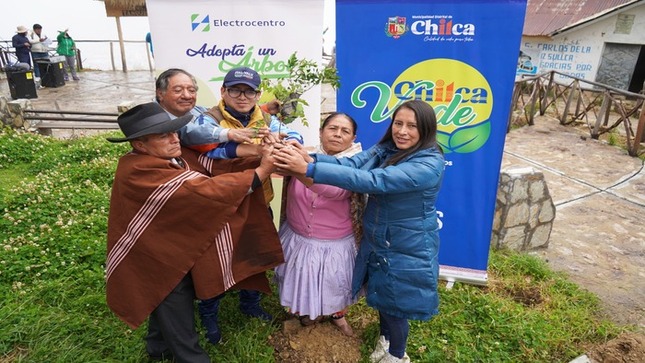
x=596 y=40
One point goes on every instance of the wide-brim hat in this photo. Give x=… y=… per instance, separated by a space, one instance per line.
x=147 y=119
x=21 y=29
x=242 y=75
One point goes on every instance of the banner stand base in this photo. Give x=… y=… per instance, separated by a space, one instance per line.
x=453 y=274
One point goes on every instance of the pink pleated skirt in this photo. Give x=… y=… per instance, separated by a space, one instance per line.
x=316 y=278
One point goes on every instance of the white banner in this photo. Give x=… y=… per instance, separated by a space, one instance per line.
x=208 y=38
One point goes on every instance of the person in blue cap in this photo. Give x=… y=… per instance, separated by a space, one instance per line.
x=216 y=132
x=238 y=111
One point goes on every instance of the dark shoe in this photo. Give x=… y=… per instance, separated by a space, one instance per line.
x=256 y=312
x=208 y=311
x=305 y=320
x=250 y=305
x=165 y=356
x=76 y=78
x=213 y=334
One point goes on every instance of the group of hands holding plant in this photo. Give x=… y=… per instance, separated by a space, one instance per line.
x=284 y=157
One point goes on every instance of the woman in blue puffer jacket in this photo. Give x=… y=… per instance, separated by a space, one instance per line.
x=397 y=262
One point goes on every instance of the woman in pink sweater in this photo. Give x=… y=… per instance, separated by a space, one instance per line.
x=319 y=236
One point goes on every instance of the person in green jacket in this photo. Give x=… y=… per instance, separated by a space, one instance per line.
x=67 y=48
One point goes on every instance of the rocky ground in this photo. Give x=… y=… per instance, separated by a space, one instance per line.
x=320 y=343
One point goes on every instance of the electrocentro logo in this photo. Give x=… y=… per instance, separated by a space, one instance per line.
x=460 y=95
x=204 y=23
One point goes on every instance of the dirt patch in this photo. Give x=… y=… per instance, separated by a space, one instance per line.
x=627 y=348
x=527 y=296
x=319 y=343
x=16 y=355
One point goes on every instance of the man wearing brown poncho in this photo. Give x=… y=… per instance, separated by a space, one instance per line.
x=181 y=227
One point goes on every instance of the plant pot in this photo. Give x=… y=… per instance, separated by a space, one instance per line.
x=289 y=106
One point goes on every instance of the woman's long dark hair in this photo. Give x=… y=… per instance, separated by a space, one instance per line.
x=426 y=124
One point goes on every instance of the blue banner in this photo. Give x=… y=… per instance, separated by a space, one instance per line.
x=460 y=57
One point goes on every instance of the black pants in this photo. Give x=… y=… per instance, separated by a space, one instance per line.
x=395 y=330
x=171 y=326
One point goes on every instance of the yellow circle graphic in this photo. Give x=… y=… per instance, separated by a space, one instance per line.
x=460 y=95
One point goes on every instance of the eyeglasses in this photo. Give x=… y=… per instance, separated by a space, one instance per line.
x=236 y=92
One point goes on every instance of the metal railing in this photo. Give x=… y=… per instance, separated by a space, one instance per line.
x=8 y=56
x=87 y=120
x=7 y=52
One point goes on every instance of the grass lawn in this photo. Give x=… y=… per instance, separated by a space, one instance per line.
x=54 y=200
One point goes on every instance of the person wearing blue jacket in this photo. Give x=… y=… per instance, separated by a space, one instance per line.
x=20 y=42
x=397 y=262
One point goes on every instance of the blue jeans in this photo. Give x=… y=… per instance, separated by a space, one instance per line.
x=395 y=330
x=35 y=56
x=248 y=300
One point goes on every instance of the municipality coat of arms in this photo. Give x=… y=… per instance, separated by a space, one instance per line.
x=395 y=26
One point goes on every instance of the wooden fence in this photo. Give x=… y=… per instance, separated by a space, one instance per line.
x=580 y=101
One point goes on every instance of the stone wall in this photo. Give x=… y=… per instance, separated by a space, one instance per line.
x=5 y=116
x=524 y=211
x=11 y=112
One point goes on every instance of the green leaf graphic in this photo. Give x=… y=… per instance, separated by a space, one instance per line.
x=466 y=139
x=443 y=139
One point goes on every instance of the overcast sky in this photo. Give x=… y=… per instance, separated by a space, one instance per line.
x=86 y=20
